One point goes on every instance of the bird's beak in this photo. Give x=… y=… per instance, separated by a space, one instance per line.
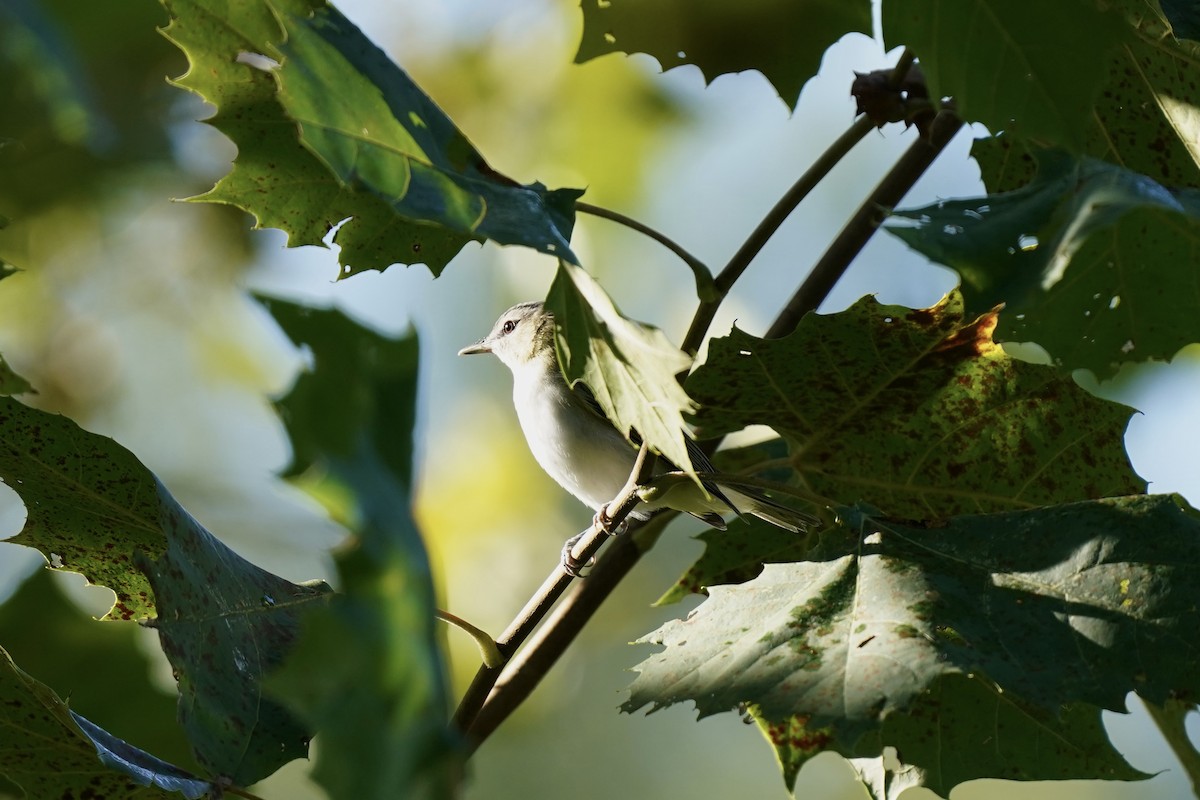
x=479 y=347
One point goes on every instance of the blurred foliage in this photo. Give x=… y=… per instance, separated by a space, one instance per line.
x=83 y=97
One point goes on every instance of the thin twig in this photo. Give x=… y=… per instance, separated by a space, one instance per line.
x=864 y=223
x=239 y=792
x=1169 y=719
x=551 y=589
x=767 y=228
x=700 y=270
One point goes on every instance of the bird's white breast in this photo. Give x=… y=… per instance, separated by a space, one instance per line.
x=579 y=449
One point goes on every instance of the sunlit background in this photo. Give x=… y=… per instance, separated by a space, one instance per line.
x=135 y=318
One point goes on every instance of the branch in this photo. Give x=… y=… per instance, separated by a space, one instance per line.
x=766 y=229
x=526 y=671
x=1169 y=718
x=864 y=223
x=551 y=589
x=700 y=271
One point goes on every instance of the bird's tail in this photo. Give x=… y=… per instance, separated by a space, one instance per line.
x=747 y=500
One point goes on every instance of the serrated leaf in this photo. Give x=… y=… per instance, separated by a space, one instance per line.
x=50 y=751
x=91 y=504
x=1014 y=65
x=380 y=706
x=330 y=131
x=964 y=728
x=45 y=631
x=630 y=367
x=1058 y=606
x=1090 y=260
x=1144 y=117
x=224 y=623
x=736 y=557
x=917 y=412
x=782 y=39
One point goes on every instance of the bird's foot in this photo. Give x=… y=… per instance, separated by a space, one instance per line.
x=570 y=564
x=605 y=523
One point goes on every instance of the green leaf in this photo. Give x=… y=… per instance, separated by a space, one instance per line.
x=963 y=728
x=1059 y=606
x=783 y=39
x=1015 y=65
x=223 y=624
x=917 y=412
x=328 y=129
x=83 y=99
x=1090 y=260
x=380 y=706
x=736 y=556
x=90 y=503
x=359 y=380
x=630 y=367
x=50 y=751
x=1142 y=119
x=45 y=632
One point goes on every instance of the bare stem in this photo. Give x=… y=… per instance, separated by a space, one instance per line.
x=766 y=229
x=700 y=270
x=239 y=792
x=864 y=223
x=488 y=651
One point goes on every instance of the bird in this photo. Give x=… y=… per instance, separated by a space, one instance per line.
x=576 y=444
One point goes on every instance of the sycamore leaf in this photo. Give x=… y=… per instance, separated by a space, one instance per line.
x=917 y=412
x=1058 y=606
x=963 y=727
x=782 y=39
x=91 y=504
x=45 y=631
x=50 y=751
x=1144 y=117
x=224 y=623
x=380 y=706
x=629 y=367
x=1014 y=65
x=330 y=131
x=1092 y=261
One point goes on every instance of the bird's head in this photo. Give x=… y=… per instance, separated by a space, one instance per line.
x=523 y=334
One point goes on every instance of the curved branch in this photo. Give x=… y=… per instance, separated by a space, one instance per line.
x=864 y=223
x=700 y=270
x=767 y=227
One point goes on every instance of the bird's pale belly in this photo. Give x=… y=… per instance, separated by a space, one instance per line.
x=583 y=453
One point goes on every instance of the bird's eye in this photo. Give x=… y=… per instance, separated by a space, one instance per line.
x=508 y=326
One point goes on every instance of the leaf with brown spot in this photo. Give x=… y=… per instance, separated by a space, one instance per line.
x=91 y=504
x=1060 y=610
x=49 y=751
x=916 y=412
x=224 y=624
x=1092 y=261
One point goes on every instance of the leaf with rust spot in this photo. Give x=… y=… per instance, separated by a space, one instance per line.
x=916 y=412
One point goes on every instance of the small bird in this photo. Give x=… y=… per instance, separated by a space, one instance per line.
x=577 y=446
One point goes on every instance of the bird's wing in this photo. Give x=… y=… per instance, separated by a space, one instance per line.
x=699 y=459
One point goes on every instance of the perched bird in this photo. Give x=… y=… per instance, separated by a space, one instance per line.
x=576 y=444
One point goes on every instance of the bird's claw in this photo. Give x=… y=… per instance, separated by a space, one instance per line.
x=605 y=523
x=570 y=564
